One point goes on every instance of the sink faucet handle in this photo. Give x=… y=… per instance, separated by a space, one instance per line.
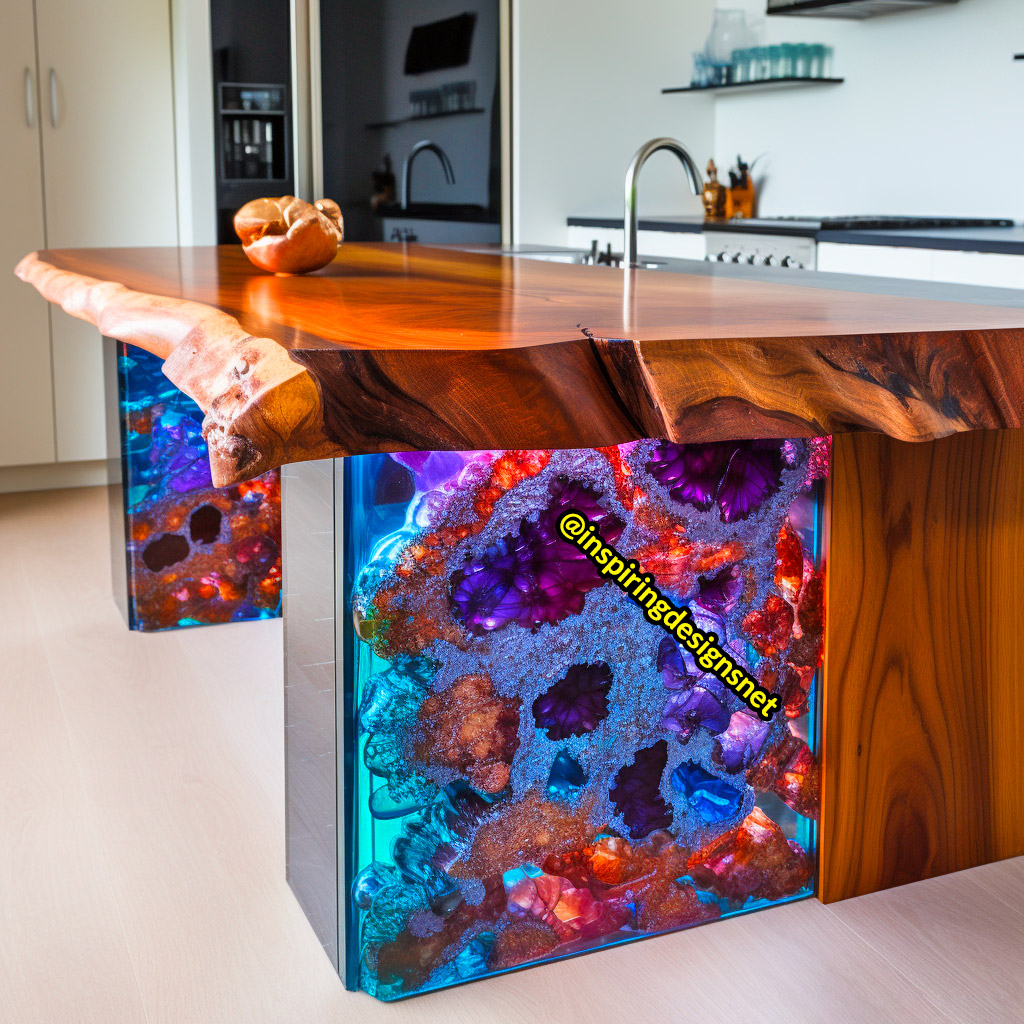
x=642 y=155
x=446 y=166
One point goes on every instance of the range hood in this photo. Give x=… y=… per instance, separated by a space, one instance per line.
x=849 y=8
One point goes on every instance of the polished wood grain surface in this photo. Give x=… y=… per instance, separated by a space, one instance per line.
x=393 y=348
x=923 y=702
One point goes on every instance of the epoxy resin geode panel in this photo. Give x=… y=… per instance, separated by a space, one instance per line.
x=196 y=554
x=539 y=770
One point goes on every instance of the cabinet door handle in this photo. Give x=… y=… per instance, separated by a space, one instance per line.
x=53 y=97
x=30 y=107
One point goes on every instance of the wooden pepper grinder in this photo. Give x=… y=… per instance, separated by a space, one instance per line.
x=715 y=195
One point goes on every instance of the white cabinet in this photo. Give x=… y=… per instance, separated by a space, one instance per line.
x=682 y=245
x=108 y=164
x=875 y=260
x=26 y=394
x=994 y=270
x=105 y=116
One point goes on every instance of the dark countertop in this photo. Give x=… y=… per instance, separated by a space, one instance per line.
x=1003 y=240
x=684 y=225
x=1008 y=240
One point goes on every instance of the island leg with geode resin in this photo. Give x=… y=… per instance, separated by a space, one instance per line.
x=500 y=754
x=183 y=552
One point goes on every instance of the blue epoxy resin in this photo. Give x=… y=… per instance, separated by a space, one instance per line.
x=534 y=768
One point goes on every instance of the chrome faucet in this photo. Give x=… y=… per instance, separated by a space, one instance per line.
x=449 y=174
x=633 y=172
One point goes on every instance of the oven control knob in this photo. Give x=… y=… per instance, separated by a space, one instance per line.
x=752 y=258
x=737 y=257
x=720 y=256
x=770 y=261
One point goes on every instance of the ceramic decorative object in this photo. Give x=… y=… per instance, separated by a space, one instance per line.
x=287 y=235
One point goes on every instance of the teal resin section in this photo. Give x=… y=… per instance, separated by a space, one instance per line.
x=534 y=769
x=195 y=554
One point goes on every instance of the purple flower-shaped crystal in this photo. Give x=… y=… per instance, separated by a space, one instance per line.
x=702 y=707
x=738 y=475
x=576 y=704
x=720 y=593
x=636 y=792
x=674 y=675
x=534 y=577
x=571 y=494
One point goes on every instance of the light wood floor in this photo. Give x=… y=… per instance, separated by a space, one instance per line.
x=142 y=863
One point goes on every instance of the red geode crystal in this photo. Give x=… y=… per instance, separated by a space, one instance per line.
x=571 y=912
x=469 y=729
x=789 y=562
x=807 y=650
x=791 y=771
x=754 y=860
x=771 y=626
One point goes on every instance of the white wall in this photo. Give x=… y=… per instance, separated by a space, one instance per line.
x=193 y=122
x=587 y=81
x=928 y=121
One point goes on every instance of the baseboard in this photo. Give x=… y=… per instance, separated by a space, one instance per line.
x=53 y=476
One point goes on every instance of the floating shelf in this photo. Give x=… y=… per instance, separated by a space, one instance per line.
x=425 y=117
x=850 y=9
x=763 y=84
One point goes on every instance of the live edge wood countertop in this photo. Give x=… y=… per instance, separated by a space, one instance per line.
x=404 y=347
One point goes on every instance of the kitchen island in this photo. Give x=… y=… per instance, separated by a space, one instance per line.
x=688 y=416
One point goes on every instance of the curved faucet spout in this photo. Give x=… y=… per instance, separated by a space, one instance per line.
x=446 y=164
x=647 y=150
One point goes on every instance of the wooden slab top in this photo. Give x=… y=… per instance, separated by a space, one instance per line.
x=401 y=347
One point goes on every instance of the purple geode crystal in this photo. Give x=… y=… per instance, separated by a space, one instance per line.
x=534 y=577
x=576 y=704
x=702 y=707
x=636 y=792
x=720 y=593
x=571 y=494
x=674 y=674
x=738 y=746
x=738 y=475
x=434 y=469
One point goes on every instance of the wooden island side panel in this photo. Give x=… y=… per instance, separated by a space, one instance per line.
x=923 y=697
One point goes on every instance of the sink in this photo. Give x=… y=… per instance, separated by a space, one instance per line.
x=583 y=256
x=560 y=254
